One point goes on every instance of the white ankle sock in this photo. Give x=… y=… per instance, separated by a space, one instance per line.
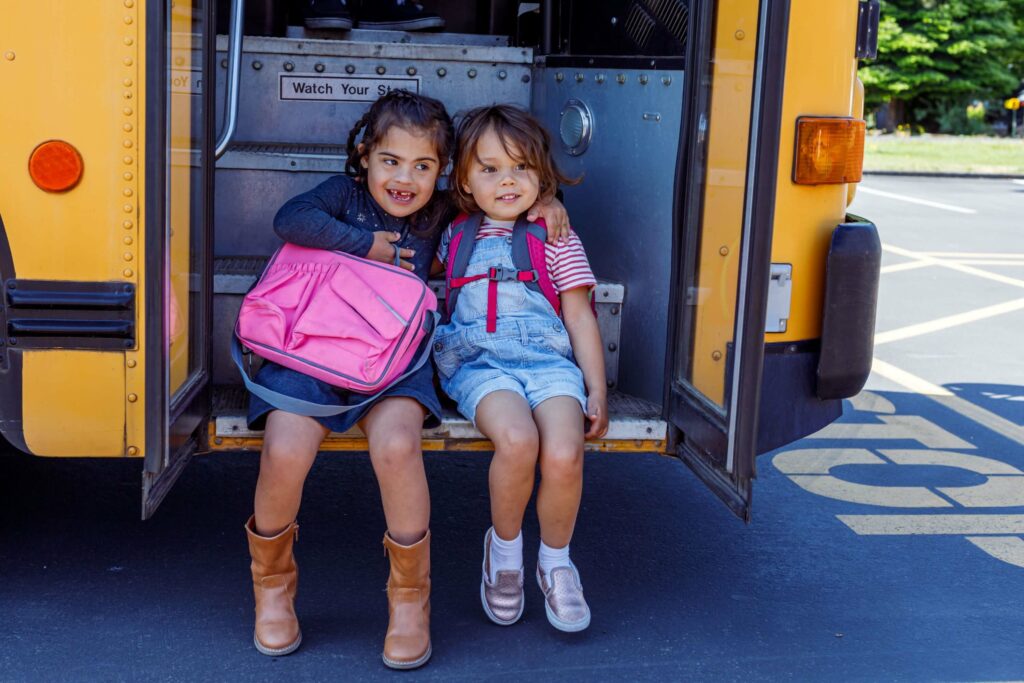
x=505 y=555
x=549 y=557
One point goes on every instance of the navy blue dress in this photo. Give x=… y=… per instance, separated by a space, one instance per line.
x=340 y=214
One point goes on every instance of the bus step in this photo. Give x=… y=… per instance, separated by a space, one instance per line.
x=635 y=426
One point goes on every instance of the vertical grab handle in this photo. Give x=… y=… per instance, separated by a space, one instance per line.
x=234 y=75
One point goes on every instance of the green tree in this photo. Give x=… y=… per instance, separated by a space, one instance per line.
x=935 y=55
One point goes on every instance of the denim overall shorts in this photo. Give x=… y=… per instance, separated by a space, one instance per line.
x=528 y=354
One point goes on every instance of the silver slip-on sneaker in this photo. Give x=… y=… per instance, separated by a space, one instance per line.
x=502 y=600
x=563 y=598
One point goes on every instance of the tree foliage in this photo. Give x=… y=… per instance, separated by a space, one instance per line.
x=938 y=54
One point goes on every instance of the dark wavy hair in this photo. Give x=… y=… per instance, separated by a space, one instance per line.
x=411 y=112
x=519 y=132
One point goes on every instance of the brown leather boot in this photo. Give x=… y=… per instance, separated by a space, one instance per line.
x=407 y=644
x=274 y=581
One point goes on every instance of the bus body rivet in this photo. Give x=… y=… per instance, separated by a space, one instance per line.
x=127 y=128
x=128 y=61
x=666 y=80
x=613 y=346
x=127 y=175
x=350 y=68
x=128 y=256
x=129 y=3
x=9 y=56
x=643 y=79
x=131 y=364
x=288 y=66
x=740 y=35
x=381 y=70
x=724 y=251
x=127 y=111
x=127 y=192
x=559 y=77
x=223 y=63
x=128 y=208
x=128 y=20
x=127 y=82
x=132 y=450
x=257 y=65
x=127 y=94
x=525 y=78
x=127 y=225
x=716 y=355
x=621 y=79
x=411 y=71
x=442 y=72
x=128 y=272
x=319 y=67
x=599 y=78
x=615 y=310
x=502 y=75
x=579 y=78
x=128 y=240
x=128 y=41
x=132 y=398
x=471 y=73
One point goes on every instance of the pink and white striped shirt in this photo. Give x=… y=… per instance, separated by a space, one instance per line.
x=567 y=261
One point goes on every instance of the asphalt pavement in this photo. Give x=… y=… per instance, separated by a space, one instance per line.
x=890 y=546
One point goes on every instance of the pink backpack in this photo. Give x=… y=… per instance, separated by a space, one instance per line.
x=528 y=256
x=351 y=322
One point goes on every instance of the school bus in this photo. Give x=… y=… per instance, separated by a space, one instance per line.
x=142 y=157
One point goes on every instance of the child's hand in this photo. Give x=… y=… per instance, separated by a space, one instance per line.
x=554 y=215
x=597 y=413
x=383 y=249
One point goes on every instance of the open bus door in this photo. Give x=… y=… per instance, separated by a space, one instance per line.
x=723 y=255
x=178 y=236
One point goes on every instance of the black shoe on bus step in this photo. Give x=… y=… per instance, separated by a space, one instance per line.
x=330 y=14
x=397 y=15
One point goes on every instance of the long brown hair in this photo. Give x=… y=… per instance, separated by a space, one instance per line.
x=414 y=113
x=519 y=132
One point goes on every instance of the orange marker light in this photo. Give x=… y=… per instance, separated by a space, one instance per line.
x=55 y=166
x=828 y=151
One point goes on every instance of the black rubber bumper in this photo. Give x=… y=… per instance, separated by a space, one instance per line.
x=848 y=317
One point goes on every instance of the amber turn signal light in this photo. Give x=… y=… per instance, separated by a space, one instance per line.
x=55 y=166
x=828 y=151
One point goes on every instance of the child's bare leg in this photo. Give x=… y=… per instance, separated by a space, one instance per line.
x=394 y=429
x=505 y=418
x=290 y=443
x=560 y=421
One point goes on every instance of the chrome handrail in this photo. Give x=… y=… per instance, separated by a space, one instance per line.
x=234 y=75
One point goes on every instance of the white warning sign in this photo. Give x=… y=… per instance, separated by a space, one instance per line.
x=342 y=88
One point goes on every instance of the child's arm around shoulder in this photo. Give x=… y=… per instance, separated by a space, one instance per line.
x=316 y=219
x=585 y=337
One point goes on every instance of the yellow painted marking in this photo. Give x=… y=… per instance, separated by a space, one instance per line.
x=970 y=270
x=940 y=524
x=883 y=496
x=916 y=200
x=948 y=322
x=973 y=254
x=987 y=262
x=820 y=460
x=899 y=267
x=985 y=418
x=1009 y=549
x=963 y=461
x=904 y=378
x=870 y=402
x=895 y=427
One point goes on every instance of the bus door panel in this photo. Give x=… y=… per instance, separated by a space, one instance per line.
x=178 y=273
x=722 y=256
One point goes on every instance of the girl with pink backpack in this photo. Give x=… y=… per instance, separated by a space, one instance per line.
x=521 y=355
x=384 y=209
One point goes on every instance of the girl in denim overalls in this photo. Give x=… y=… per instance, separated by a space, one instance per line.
x=520 y=383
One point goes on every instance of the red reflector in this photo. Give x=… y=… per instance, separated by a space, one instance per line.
x=55 y=166
x=828 y=151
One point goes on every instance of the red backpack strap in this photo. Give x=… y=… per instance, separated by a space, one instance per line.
x=529 y=253
x=460 y=249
